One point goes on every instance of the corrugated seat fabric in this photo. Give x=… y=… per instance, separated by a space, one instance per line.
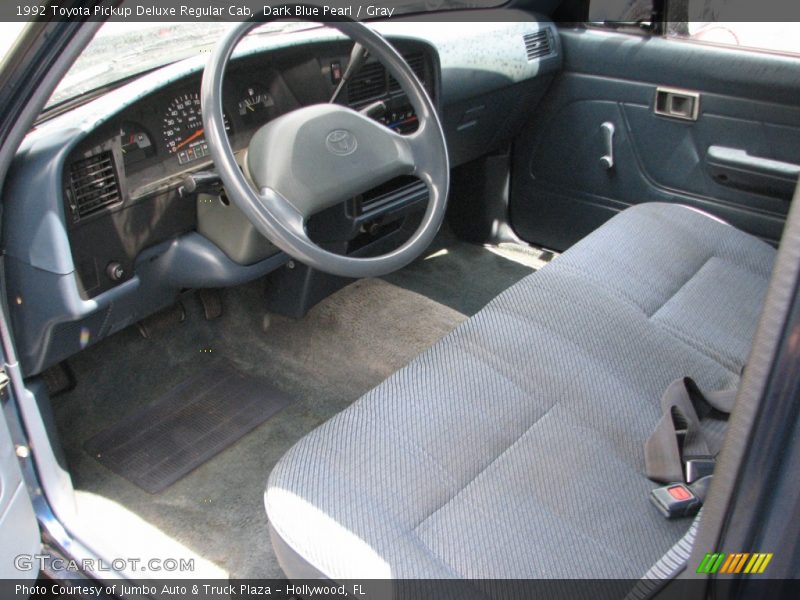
x=513 y=448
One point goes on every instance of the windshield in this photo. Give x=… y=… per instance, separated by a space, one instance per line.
x=9 y=32
x=121 y=50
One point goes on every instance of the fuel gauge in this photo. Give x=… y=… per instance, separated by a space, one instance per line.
x=136 y=144
x=255 y=100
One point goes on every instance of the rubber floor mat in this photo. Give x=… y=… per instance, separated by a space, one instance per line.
x=156 y=446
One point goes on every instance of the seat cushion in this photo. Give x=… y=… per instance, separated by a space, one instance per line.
x=699 y=278
x=513 y=447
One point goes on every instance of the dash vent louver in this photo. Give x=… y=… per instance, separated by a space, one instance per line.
x=93 y=185
x=417 y=63
x=369 y=83
x=373 y=82
x=537 y=44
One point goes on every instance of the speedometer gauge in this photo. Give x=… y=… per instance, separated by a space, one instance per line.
x=182 y=127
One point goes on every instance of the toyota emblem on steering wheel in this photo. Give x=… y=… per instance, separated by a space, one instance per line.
x=341 y=142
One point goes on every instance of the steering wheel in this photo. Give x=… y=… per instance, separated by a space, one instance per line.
x=317 y=156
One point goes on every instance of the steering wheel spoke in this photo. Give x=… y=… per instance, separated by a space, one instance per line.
x=417 y=148
x=283 y=210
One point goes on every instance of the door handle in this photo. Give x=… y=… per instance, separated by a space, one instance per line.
x=607 y=160
x=678 y=104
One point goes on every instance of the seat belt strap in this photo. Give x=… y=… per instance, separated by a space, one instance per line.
x=722 y=400
x=677 y=450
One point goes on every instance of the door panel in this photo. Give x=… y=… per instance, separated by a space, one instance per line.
x=19 y=532
x=737 y=160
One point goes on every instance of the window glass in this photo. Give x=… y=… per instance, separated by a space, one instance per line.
x=9 y=32
x=730 y=22
x=620 y=10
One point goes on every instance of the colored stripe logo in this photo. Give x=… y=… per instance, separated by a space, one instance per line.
x=741 y=562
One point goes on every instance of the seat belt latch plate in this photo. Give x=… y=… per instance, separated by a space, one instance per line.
x=675 y=500
x=697 y=468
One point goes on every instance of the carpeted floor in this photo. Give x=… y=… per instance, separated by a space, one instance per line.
x=466 y=276
x=346 y=345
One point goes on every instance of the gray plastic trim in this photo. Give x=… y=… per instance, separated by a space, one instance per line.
x=226 y=227
x=192 y=261
x=48 y=332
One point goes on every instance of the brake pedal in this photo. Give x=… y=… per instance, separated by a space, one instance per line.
x=162 y=319
x=211 y=299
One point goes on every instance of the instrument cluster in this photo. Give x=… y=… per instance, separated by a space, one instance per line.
x=157 y=140
x=164 y=135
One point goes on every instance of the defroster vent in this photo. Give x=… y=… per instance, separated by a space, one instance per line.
x=93 y=185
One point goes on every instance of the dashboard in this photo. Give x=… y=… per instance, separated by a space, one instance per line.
x=138 y=161
x=162 y=136
x=102 y=228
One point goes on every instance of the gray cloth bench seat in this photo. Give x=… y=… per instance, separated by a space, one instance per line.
x=513 y=448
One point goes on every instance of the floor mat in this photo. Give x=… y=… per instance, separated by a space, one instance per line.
x=192 y=422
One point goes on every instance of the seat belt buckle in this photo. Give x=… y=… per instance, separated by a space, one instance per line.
x=697 y=468
x=675 y=500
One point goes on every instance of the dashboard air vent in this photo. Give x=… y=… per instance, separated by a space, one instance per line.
x=417 y=63
x=372 y=81
x=537 y=44
x=369 y=83
x=93 y=184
